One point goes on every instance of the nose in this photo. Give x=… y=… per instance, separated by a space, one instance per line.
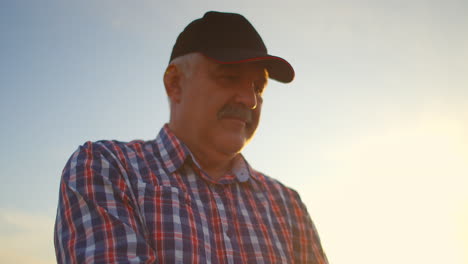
x=247 y=95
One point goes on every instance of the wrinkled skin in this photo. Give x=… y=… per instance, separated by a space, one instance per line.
x=215 y=110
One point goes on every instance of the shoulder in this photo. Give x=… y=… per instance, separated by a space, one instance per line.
x=113 y=148
x=105 y=154
x=115 y=145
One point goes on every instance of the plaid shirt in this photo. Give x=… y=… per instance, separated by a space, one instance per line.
x=150 y=202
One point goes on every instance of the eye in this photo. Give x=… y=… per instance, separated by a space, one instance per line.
x=230 y=77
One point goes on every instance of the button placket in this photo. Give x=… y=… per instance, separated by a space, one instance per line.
x=218 y=193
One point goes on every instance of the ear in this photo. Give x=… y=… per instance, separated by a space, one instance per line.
x=172 y=82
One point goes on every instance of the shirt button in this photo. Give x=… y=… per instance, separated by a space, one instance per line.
x=229 y=233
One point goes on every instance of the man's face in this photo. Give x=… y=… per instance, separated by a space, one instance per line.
x=220 y=105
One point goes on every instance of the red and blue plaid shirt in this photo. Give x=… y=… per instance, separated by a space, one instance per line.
x=149 y=202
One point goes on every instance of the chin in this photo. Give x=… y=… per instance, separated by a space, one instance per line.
x=232 y=144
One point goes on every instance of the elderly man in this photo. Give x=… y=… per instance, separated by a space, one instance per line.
x=189 y=196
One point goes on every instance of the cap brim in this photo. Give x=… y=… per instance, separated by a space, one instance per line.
x=278 y=68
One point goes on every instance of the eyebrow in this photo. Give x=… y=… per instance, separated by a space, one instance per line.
x=266 y=75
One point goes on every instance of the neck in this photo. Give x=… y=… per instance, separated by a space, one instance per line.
x=215 y=167
x=213 y=162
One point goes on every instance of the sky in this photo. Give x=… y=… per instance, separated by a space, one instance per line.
x=373 y=131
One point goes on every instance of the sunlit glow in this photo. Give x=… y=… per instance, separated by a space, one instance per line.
x=400 y=194
x=26 y=237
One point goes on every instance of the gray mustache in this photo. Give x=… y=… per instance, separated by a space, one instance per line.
x=236 y=111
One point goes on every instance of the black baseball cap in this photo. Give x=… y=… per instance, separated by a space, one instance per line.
x=229 y=38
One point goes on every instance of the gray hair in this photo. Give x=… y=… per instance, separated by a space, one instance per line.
x=186 y=63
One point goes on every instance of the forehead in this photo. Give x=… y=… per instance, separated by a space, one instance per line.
x=249 y=66
x=257 y=68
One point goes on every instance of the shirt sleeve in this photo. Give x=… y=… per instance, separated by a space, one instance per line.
x=306 y=243
x=97 y=219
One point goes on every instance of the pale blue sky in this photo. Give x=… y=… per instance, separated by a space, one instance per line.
x=372 y=132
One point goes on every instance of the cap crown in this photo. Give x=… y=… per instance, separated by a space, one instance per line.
x=217 y=31
x=229 y=38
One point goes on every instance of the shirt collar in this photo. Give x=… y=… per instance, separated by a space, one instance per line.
x=174 y=154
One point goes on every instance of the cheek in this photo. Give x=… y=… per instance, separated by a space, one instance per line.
x=258 y=110
x=207 y=110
